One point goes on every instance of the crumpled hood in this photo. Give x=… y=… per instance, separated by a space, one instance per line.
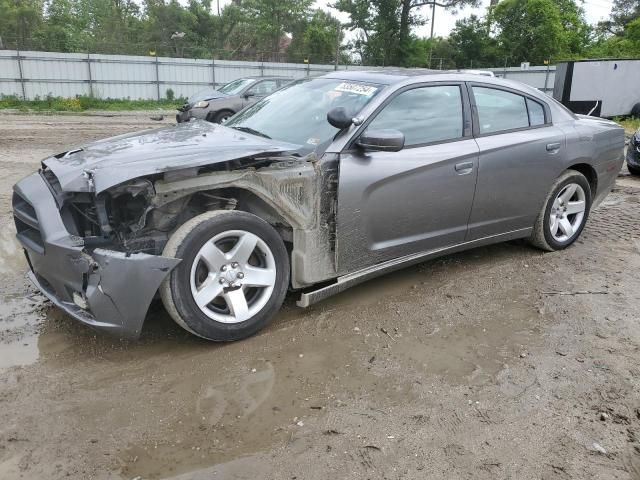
x=106 y=163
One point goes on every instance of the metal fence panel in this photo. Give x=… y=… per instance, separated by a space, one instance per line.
x=541 y=77
x=38 y=74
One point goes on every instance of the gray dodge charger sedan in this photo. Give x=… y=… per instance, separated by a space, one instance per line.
x=219 y=105
x=324 y=184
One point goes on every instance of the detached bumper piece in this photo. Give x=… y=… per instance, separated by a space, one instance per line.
x=104 y=289
x=183 y=115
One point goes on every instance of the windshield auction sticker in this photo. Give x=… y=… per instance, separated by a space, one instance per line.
x=357 y=88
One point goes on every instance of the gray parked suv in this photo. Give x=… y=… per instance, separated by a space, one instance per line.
x=218 y=105
x=322 y=185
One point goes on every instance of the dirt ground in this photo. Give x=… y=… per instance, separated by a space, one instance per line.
x=498 y=363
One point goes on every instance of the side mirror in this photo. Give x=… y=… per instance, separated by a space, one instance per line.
x=248 y=95
x=381 y=140
x=338 y=118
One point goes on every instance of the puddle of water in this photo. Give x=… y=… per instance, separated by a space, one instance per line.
x=248 y=467
x=20 y=319
x=12 y=258
x=229 y=411
x=467 y=354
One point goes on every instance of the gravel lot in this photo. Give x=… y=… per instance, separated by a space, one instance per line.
x=502 y=362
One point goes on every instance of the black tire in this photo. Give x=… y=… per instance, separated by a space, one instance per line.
x=633 y=170
x=219 y=117
x=541 y=236
x=185 y=243
x=635 y=111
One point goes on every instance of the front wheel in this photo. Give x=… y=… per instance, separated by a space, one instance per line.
x=233 y=276
x=564 y=213
x=220 y=117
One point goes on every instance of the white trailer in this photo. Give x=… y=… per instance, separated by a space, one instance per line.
x=602 y=88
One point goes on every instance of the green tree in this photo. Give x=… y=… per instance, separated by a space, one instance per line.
x=623 y=13
x=166 y=22
x=529 y=30
x=576 y=32
x=410 y=16
x=19 y=22
x=385 y=26
x=271 y=19
x=315 y=38
x=472 y=44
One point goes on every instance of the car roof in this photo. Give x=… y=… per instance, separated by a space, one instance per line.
x=382 y=77
x=401 y=75
x=268 y=77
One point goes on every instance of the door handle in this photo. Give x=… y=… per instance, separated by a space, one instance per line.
x=464 y=168
x=553 y=147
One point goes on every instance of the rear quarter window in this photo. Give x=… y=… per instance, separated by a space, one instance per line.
x=536 y=113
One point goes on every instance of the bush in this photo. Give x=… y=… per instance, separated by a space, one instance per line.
x=170 y=94
x=83 y=102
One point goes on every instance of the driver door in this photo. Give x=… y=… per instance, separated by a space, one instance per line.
x=392 y=204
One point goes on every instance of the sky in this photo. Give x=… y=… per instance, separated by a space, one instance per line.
x=595 y=10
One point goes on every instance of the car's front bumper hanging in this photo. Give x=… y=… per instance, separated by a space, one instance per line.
x=106 y=289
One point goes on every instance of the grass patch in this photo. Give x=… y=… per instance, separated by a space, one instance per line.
x=83 y=103
x=630 y=124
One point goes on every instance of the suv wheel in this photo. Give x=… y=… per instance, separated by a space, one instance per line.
x=233 y=276
x=564 y=213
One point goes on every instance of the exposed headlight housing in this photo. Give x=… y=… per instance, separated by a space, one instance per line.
x=201 y=104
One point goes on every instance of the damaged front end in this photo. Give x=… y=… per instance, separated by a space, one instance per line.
x=74 y=262
x=98 y=255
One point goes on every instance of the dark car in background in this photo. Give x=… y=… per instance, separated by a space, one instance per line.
x=218 y=105
x=633 y=154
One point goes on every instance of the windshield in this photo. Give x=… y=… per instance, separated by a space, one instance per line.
x=235 y=87
x=298 y=112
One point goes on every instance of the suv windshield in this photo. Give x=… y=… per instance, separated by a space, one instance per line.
x=298 y=112
x=235 y=87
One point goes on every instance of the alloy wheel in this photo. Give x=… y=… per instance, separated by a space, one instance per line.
x=567 y=212
x=233 y=276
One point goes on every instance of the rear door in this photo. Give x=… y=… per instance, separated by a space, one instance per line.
x=392 y=204
x=521 y=154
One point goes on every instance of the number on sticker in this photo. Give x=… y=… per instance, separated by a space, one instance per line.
x=357 y=88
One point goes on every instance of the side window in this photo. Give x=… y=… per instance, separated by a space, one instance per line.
x=499 y=110
x=264 y=88
x=536 y=113
x=424 y=115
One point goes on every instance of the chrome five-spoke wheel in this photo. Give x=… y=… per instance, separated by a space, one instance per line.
x=233 y=276
x=564 y=212
x=567 y=212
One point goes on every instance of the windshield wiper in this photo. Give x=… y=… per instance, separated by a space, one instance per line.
x=252 y=131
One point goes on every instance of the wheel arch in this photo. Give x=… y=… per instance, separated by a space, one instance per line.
x=245 y=200
x=212 y=115
x=590 y=174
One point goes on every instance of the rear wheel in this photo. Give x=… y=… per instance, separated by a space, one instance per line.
x=564 y=213
x=233 y=276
